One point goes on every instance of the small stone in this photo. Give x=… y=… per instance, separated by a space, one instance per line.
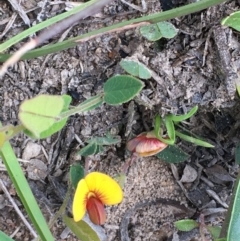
x=37 y=170
x=31 y=150
x=189 y=174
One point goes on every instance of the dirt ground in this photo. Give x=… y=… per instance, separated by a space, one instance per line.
x=197 y=67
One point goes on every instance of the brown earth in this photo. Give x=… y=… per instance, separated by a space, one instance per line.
x=197 y=67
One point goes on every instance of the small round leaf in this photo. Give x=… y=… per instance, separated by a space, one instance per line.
x=167 y=29
x=151 y=32
x=40 y=113
x=135 y=68
x=76 y=174
x=89 y=149
x=232 y=21
x=56 y=126
x=186 y=225
x=120 y=89
x=154 y=32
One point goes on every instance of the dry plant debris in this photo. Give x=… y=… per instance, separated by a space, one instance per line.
x=189 y=75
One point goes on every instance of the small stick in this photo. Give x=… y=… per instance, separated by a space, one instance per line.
x=214 y=195
x=206 y=45
x=17 y=209
x=142 y=9
x=52 y=31
x=9 y=25
x=20 y=11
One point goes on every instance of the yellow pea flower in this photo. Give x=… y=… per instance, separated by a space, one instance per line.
x=146 y=144
x=92 y=193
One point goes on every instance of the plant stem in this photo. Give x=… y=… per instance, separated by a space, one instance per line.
x=62 y=208
x=43 y=25
x=24 y=192
x=229 y=216
x=85 y=106
x=152 y=18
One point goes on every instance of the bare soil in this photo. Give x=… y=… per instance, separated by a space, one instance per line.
x=197 y=67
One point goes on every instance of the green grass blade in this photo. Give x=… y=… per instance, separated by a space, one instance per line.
x=167 y=141
x=233 y=233
x=170 y=128
x=194 y=140
x=157 y=125
x=43 y=25
x=230 y=227
x=24 y=192
x=152 y=18
x=4 y=237
x=179 y=118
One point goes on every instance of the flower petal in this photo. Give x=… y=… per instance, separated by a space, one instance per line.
x=96 y=211
x=80 y=200
x=104 y=187
x=132 y=144
x=150 y=147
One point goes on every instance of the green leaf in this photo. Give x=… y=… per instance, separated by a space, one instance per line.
x=24 y=192
x=232 y=21
x=120 y=89
x=99 y=149
x=214 y=231
x=167 y=141
x=186 y=225
x=237 y=154
x=40 y=113
x=172 y=154
x=151 y=32
x=85 y=230
x=238 y=90
x=76 y=174
x=136 y=68
x=43 y=25
x=167 y=29
x=220 y=239
x=233 y=232
x=194 y=140
x=170 y=128
x=154 y=32
x=179 y=118
x=106 y=140
x=88 y=150
x=157 y=125
x=57 y=126
x=4 y=237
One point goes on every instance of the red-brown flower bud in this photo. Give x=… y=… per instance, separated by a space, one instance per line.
x=96 y=211
x=146 y=144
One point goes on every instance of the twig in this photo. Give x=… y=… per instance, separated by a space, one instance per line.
x=53 y=31
x=9 y=25
x=15 y=232
x=17 y=209
x=214 y=195
x=142 y=9
x=206 y=45
x=20 y=11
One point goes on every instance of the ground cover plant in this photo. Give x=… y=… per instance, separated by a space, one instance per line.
x=44 y=115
